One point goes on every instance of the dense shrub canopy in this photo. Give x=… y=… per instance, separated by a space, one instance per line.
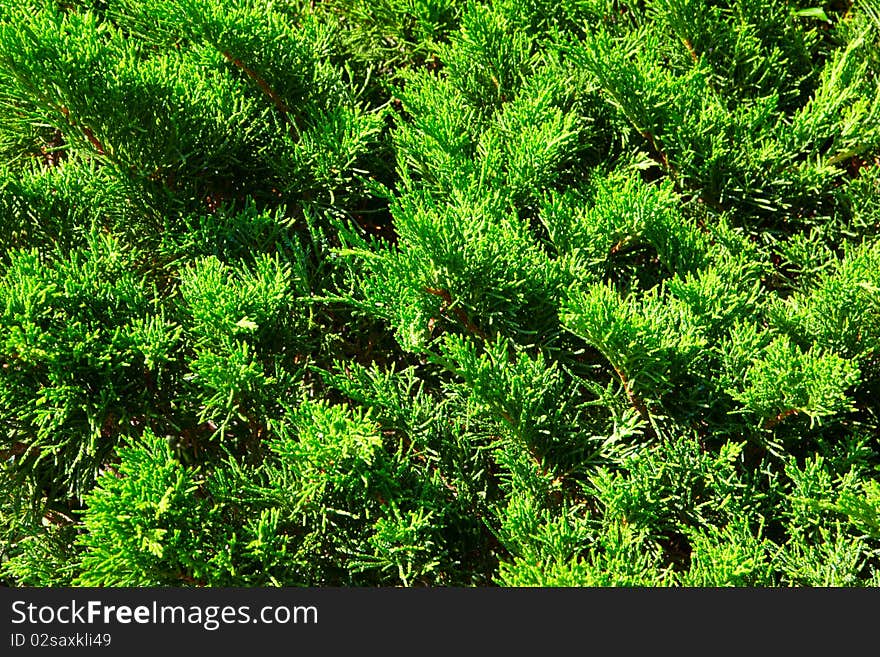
x=425 y=292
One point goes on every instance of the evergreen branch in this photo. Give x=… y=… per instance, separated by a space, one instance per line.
x=148 y=347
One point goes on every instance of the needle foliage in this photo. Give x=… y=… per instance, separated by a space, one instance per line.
x=431 y=293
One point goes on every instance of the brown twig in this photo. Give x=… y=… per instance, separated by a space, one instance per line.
x=51 y=153
x=690 y=47
x=635 y=401
x=279 y=103
x=459 y=312
x=17 y=449
x=87 y=131
x=662 y=158
x=659 y=153
x=771 y=422
x=620 y=245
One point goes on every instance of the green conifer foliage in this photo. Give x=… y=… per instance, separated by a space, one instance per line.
x=422 y=293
